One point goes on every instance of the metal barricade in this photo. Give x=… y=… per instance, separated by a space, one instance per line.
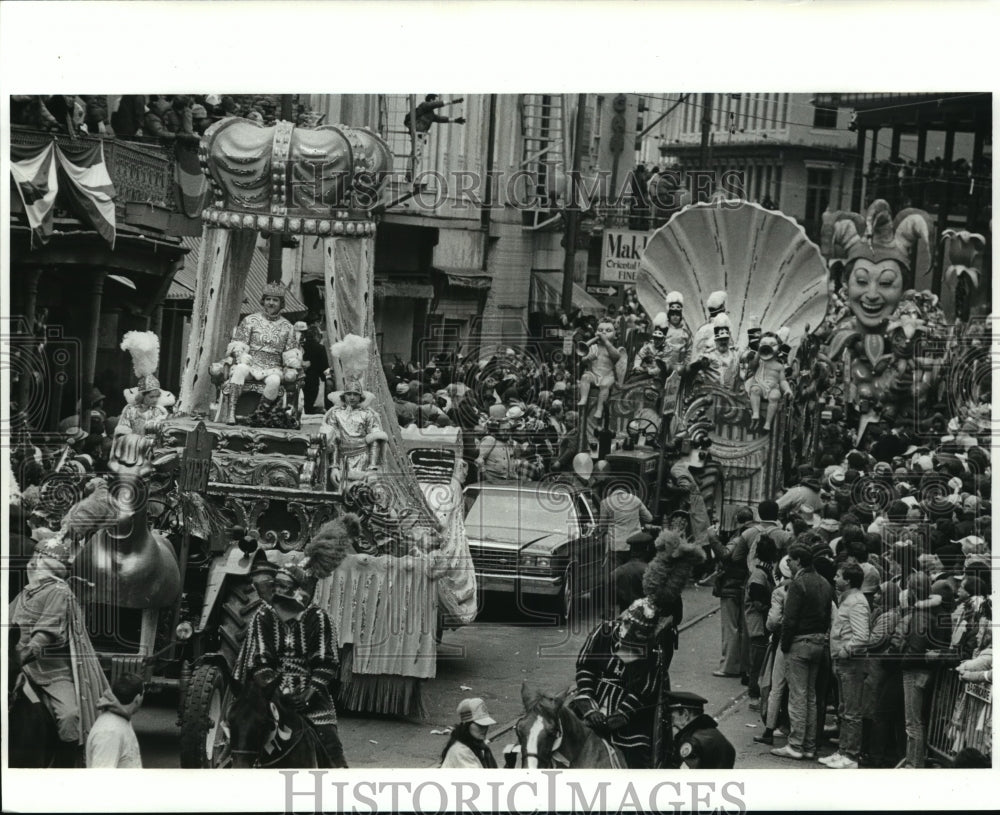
x=961 y=716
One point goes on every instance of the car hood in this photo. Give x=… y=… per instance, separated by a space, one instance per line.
x=503 y=537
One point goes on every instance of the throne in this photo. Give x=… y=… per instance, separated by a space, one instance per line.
x=250 y=395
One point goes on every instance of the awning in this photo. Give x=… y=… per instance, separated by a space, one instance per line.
x=463 y=278
x=410 y=289
x=186 y=279
x=546 y=295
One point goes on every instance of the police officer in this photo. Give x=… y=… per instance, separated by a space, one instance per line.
x=698 y=744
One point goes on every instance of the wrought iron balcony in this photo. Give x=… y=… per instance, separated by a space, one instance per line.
x=142 y=172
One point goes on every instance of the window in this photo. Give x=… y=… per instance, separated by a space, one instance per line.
x=819 y=182
x=825 y=117
x=784 y=110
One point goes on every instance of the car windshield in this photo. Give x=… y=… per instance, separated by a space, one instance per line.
x=501 y=514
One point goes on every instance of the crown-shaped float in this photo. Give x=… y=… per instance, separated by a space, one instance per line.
x=314 y=181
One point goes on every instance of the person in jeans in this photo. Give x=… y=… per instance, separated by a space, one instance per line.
x=730 y=589
x=779 y=683
x=925 y=629
x=883 y=692
x=848 y=638
x=804 y=632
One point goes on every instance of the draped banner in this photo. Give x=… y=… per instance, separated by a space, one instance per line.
x=87 y=187
x=191 y=189
x=36 y=182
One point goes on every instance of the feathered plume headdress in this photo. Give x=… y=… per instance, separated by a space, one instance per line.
x=321 y=556
x=144 y=346
x=352 y=353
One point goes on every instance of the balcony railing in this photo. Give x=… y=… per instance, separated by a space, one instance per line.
x=142 y=172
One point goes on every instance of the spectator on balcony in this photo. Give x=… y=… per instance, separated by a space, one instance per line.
x=97 y=117
x=154 y=124
x=200 y=119
x=178 y=117
x=127 y=120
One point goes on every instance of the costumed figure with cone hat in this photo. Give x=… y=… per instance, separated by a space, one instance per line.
x=665 y=357
x=265 y=348
x=58 y=663
x=704 y=337
x=353 y=427
x=623 y=666
x=294 y=643
x=720 y=365
x=145 y=410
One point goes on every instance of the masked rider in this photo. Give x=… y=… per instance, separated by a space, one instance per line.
x=294 y=643
x=704 y=337
x=720 y=365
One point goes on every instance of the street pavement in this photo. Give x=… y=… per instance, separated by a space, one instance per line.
x=490 y=659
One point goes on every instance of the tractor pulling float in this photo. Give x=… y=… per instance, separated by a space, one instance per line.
x=213 y=483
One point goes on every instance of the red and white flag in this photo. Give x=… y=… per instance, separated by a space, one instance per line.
x=90 y=189
x=34 y=172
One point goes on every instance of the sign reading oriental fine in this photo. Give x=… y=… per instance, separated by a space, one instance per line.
x=620 y=254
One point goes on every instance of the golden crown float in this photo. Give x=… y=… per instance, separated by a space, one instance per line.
x=273 y=485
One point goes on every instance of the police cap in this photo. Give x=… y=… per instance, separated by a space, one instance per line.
x=684 y=700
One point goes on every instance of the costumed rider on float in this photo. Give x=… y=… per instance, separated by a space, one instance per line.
x=58 y=663
x=624 y=664
x=353 y=427
x=147 y=403
x=718 y=366
x=764 y=376
x=265 y=348
x=704 y=337
x=293 y=643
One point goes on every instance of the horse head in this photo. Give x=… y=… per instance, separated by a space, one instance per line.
x=546 y=729
x=254 y=720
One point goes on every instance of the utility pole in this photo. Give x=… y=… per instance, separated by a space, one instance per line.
x=573 y=209
x=706 y=129
x=274 y=246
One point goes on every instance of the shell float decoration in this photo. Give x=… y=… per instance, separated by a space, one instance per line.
x=762 y=259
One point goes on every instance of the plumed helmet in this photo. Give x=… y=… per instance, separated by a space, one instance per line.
x=716 y=301
x=660 y=321
x=722 y=326
x=675 y=301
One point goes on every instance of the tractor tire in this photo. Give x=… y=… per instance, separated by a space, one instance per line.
x=241 y=601
x=204 y=743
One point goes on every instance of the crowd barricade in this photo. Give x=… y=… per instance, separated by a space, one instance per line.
x=961 y=716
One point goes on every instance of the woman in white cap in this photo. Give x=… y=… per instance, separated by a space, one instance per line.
x=467 y=747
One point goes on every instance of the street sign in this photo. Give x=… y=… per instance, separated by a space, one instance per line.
x=620 y=255
x=197 y=460
x=607 y=291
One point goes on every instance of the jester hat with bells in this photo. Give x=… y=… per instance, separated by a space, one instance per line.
x=351 y=356
x=878 y=236
x=144 y=346
x=320 y=557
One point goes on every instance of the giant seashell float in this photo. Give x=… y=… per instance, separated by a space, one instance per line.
x=762 y=259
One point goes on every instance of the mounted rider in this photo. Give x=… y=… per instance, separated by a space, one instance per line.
x=623 y=666
x=58 y=661
x=294 y=643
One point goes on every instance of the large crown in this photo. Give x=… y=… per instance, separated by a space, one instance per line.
x=322 y=181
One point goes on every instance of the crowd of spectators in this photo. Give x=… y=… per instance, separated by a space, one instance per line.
x=857 y=590
x=153 y=117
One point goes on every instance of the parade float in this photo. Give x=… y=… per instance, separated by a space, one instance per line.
x=751 y=288
x=238 y=469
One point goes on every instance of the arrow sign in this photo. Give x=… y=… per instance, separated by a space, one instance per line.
x=607 y=291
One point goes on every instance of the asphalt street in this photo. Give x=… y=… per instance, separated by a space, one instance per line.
x=490 y=659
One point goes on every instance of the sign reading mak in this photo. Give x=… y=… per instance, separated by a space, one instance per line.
x=620 y=255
